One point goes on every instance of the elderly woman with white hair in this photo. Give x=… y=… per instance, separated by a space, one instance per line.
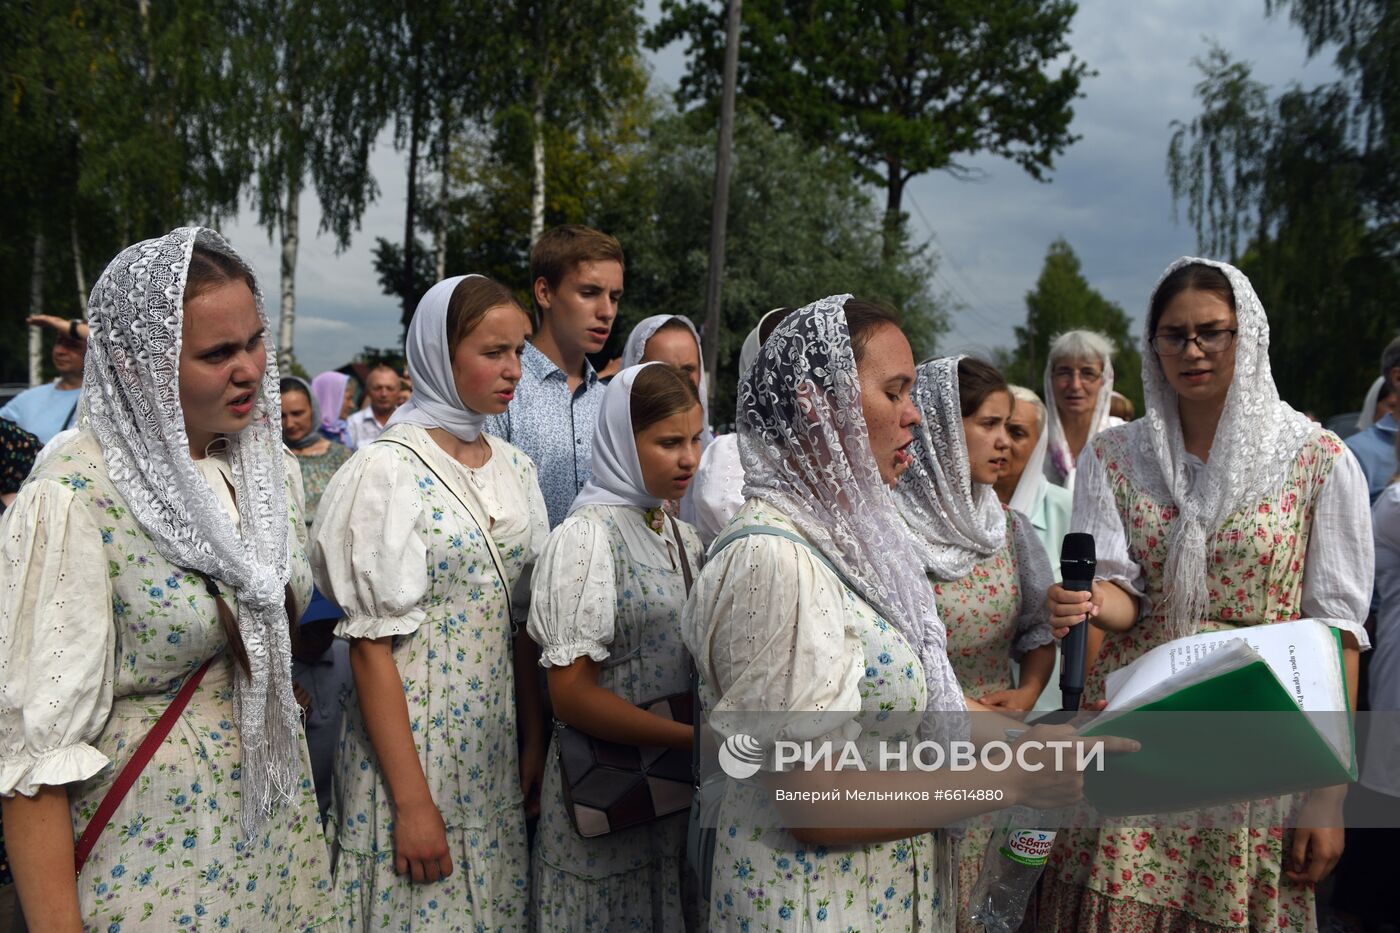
x=1079 y=381
x=1023 y=485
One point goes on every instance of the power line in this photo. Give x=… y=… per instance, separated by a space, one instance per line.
x=969 y=304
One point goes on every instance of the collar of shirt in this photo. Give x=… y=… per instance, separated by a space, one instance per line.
x=1387 y=425
x=540 y=367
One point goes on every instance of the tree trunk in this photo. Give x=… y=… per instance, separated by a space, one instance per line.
x=537 y=175
x=291 y=239
x=714 y=282
x=79 y=279
x=36 y=306
x=440 y=235
x=894 y=199
x=410 y=284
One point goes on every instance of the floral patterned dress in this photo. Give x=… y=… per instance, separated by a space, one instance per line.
x=990 y=627
x=1196 y=879
x=395 y=548
x=173 y=856
x=610 y=588
x=764 y=878
x=317 y=471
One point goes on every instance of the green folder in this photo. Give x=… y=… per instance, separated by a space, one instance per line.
x=1239 y=735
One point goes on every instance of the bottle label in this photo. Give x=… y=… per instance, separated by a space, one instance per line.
x=1028 y=846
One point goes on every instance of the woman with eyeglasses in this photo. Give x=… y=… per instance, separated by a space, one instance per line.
x=1079 y=390
x=1221 y=508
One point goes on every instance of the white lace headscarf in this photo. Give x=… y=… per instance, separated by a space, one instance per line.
x=955 y=522
x=806 y=450
x=1059 y=461
x=132 y=405
x=1257 y=440
x=435 y=402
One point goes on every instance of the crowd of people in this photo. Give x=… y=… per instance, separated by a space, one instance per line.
x=270 y=660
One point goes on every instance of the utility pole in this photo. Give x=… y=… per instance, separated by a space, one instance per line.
x=720 y=214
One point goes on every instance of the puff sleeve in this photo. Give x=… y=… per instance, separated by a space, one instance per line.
x=368 y=554
x=57 y=641
x=573 y=601
x=767 y=625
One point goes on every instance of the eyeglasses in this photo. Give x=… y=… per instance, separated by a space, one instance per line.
x=1208 y=341
x=1086 y=376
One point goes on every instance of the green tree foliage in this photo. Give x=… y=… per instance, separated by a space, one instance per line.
x=799 y=228
x=492 y=181
x=482 y=81
x=1300 y=190
x=1365 y=35
x=119 y=121
x=900 y=87
x=1063 y=300
x=317 y=112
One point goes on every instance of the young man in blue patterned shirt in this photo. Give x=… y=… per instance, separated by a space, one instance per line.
x=576 y=282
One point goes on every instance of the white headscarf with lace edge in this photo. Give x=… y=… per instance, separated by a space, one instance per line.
x=805 y=449
x=1256 y=441
x=955 y=522
x=131 y=403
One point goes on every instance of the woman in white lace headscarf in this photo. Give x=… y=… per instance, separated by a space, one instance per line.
x=986 y=566
x=987 y=569
x=160 y=544
x=1078 y=396
x=426 y=539
x=1222 y=507
x=807 y=607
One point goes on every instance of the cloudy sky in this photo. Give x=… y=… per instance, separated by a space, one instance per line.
x=1108 y=196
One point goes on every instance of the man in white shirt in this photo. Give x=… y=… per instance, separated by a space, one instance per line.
x=382 y=389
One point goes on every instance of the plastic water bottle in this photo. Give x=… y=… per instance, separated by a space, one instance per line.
x=1015 y=859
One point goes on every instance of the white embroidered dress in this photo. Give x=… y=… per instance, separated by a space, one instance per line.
x=826 y=650
x=611 y=589
x=394 y=547
x=97 y=633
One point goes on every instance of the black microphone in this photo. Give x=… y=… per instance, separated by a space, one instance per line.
x=1077 y=565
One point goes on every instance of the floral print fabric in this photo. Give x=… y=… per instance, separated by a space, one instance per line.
x=396 y=549
x=988 y=626
x=173 y=856
x=317 y=471
x=764 y=878
x=1208 y=877
x=605 y=554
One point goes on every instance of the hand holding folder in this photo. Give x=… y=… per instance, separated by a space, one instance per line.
x=1225 y=717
